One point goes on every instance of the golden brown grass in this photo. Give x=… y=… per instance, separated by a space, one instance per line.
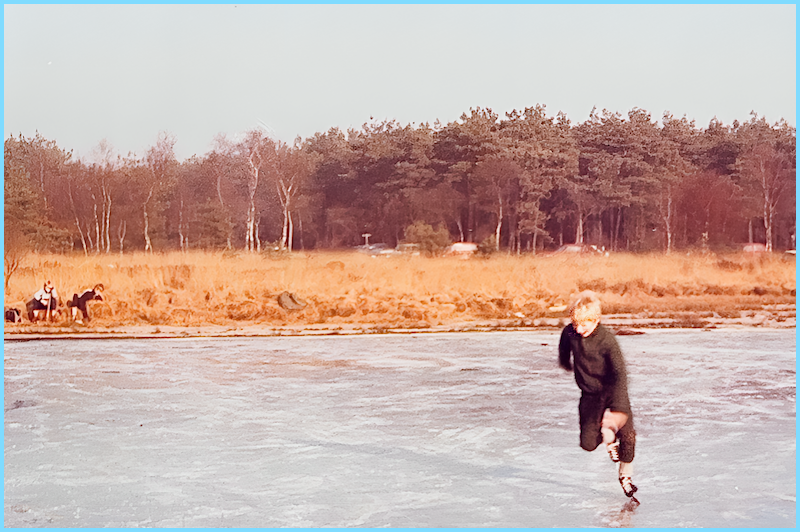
x=231 y=289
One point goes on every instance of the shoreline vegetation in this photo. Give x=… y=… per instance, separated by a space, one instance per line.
x=240 y=294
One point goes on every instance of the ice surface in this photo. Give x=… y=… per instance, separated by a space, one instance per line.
x=426 y=430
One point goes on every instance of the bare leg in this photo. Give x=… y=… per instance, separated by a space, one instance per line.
x=612 y=422
x=610 y=425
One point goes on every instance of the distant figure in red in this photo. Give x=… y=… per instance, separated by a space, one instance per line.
x=79 y=302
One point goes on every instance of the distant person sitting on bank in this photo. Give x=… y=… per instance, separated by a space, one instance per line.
x=78 y=302
x=44 y=304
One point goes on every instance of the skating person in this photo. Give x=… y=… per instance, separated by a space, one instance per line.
x=604 y=408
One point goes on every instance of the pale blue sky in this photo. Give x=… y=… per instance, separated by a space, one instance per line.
x=82 y=73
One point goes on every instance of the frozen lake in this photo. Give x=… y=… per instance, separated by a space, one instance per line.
x=426 y=430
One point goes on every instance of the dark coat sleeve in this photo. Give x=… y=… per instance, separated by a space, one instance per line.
x=564 y=350
x=619 y=375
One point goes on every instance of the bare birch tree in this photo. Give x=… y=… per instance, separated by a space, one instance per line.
x=260 y=151
x=293 y=168
x=105 y=163
x=772 y=173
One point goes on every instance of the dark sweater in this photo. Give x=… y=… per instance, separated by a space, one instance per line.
x=80 y=301
x=598 y=364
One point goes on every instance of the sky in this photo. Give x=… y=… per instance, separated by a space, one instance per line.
x=81 y=74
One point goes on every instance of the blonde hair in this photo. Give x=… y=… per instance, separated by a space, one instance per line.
x=585 y=307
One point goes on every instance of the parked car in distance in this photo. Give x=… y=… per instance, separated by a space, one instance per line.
x=754 y=248
x=373 y=249
x=408 y=249
x=463 y=250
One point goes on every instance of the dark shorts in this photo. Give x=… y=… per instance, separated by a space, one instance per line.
x=37 y=305
x=591 y=408
x=79 y=304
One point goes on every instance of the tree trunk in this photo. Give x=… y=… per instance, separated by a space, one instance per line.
x=284 y=193
x=285 y=228
x=90 y=244
x=108 y=227
x=579 y=231
x=250 y=228
x=600 y=229
x=148 y=246
x=513 y=235
x=470 y=222
x=300 y=224
x=499 y=223
x=107 y=219
x=96 y=227
x=75 y=213
x=667 y=218
x=769 y=212
x=469 y=209
x=181 y=235
x=252 y=186
x=291 y=232
x=83 y=238
x=121 y=230
x=219 y=190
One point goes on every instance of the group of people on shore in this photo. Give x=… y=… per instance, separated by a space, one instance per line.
x=45 y=305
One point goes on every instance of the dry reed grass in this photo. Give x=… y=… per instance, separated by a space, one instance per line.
x=199 y=288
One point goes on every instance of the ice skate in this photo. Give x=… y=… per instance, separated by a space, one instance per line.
x=628 y=487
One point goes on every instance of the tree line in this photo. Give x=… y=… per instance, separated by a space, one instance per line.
x=525 y=182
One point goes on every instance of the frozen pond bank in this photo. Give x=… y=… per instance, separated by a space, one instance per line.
x=447 y=430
